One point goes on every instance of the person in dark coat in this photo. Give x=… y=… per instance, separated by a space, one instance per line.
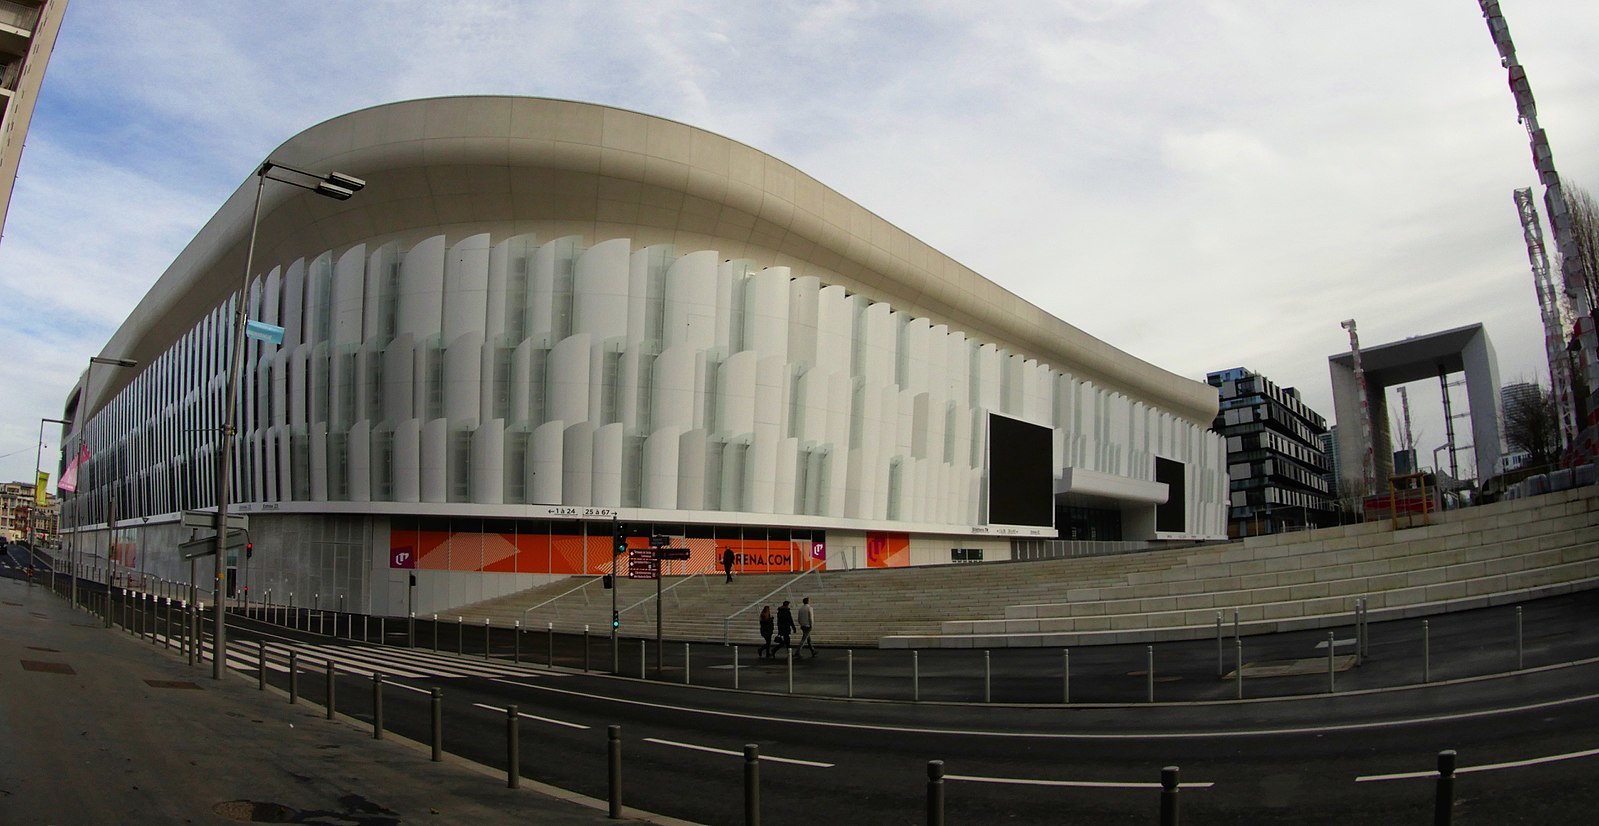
x=727 y=563
x=767 y=625
x=785 y=625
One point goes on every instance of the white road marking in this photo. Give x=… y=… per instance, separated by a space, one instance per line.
x=691 y=746
x=520 y=713
x=1486 y=767
x=1052 y=735
x=1076 y=784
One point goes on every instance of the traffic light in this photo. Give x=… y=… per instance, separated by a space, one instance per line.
x=618 y=539
x=249 y=550
x=606 y=579
x=616 y=620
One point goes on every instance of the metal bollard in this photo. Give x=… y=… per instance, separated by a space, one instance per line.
x=435 y=633
x=1443 y=804
x=735 y=668
x=686 y=679
x=752 y=784
x=513 y=748
x=1426 y=652
x=790 y=670
x=549 y=637
x=485 y=638
x=916 y=677
x=437 y=707
x=377 y=706
x=988 y=678
x=410 y=630
x=294 y=677
x=1220 y=670
x=1360 y=630
x=1331 y=663
x=849 y=671
x=1168 y=796
x=643 y=659
x=460 y=636
x=935 y=793
x=1521 y=661
x=332 y=680
x=1238 y=675
x=261 y=665
x=613 y=752
x=383 y=629
x=516 y=642
x=1149 y=672
x=585 y=648
x=366 y=628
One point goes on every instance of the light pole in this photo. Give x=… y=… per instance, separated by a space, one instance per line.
x=83 y=426
x=331 y=185
x=39 y=496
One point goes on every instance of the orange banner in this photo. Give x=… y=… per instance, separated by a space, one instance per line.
x=559 y=554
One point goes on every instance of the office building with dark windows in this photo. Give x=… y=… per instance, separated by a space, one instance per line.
x=1277 y=465
x=540 y=320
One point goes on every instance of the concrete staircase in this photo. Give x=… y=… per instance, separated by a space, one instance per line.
x=694 y=607
x=1468 y=558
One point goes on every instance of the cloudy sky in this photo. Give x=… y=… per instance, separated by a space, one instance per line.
x=1202 y=183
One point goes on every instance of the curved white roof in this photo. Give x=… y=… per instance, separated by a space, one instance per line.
x=508 y=165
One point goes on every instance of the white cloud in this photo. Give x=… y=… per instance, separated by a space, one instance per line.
x=1201 y=184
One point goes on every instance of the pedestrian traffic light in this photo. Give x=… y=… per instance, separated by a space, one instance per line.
x=616 y=620
x=618 y=539
x=606 y=579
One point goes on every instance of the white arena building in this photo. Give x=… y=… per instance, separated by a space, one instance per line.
x=543 y=318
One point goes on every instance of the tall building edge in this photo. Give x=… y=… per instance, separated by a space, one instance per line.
x=28 y=30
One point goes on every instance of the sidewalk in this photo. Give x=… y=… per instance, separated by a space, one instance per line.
x=97 y=728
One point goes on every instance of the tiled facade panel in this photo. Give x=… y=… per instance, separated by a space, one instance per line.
x=511 y=371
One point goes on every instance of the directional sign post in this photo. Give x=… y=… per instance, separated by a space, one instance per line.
x=643 y=564
x=195 y=548
x=208 y=519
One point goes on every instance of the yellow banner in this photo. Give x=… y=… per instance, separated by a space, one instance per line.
x=39 y=486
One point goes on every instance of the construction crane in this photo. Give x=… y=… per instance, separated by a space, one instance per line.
x=1369 y=458
x=1407 y=442
x=1553 y=310
x=1575 y=281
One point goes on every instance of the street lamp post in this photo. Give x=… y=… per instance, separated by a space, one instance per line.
x=83 y=426
x=33 y=536
x=331 y=185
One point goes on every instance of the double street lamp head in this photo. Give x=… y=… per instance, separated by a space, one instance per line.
x=335 y=185
x=113 y=362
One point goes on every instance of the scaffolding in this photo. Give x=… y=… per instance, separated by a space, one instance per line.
x=1553 y=309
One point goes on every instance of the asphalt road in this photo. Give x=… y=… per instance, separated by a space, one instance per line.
x=1526 y=740
x=1280 y=761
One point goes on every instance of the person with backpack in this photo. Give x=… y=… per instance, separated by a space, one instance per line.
x=785 y=625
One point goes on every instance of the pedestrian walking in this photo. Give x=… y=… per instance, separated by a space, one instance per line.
x=807 y=617
x=785 y=625
x=767 y=626
x=727 y=563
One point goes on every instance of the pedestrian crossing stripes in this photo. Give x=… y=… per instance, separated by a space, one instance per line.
x=366 y=660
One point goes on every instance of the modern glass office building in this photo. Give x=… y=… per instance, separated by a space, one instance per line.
x=541 y=318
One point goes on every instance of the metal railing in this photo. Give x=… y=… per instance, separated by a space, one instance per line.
x=670 y=589
x=560 y=596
